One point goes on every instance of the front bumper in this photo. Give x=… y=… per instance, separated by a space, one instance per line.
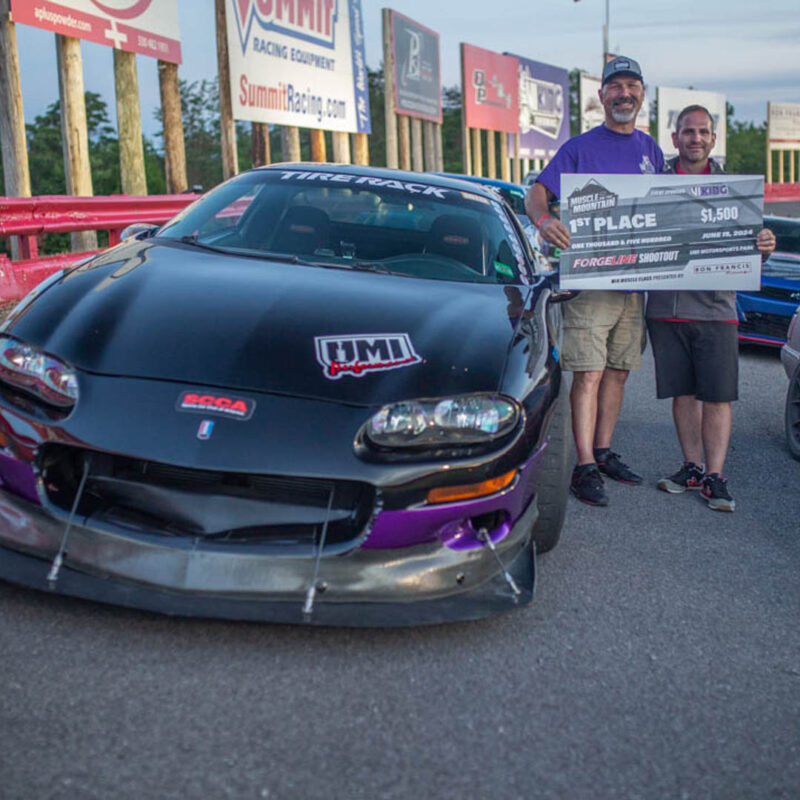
x=426 y=583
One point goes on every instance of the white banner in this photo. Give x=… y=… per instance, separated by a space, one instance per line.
x=299 y=62
x=672 y=101
x=592 y=113
x=783 y=126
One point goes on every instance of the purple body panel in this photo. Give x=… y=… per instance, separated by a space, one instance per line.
x=18 y=477
x=450 y=522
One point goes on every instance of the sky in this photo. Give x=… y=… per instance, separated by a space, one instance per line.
x=748 y=51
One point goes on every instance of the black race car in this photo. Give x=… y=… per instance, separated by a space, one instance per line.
x=320 y=393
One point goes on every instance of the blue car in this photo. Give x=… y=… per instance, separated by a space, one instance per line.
x=764 y=316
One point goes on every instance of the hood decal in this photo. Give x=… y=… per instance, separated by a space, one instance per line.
x=358 y=354
x=225 y=405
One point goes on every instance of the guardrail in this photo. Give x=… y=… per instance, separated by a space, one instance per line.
x=27 y=218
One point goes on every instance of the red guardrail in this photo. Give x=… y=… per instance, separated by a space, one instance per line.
x=26 y=218
x=781 y=192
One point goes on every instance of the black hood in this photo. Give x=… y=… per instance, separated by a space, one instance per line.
x=171 y=312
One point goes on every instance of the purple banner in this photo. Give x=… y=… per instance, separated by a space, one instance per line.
x=543 y=108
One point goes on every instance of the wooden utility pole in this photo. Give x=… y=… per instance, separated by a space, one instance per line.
x=437 y=140
x=361 y=149
x=491 y=154
x=16 y=173
x=416 y=144
x=74 y=135
x=172 y=120
x=129 y=124
x=390 y=111
x=341 y=147
x=318 y=149
x=516 y=166
x=431 y=164
x=477 y=152
x=290 y=143
x=230 y=160
x=505 y=172
x=261 y=153
x=404 y=141
x=465 y=143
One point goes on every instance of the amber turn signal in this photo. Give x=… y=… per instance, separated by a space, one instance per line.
x=469 y=491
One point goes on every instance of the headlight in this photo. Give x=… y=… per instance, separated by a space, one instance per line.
x=465 y=419
x=28 y=368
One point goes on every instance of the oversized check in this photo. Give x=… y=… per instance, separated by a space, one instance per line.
x=642 y=232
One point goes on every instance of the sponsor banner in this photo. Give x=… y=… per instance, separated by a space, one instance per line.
x=417 y=79
x=490 y=84
x=783 y=126
x=299 y=62
x=646 y=232
x=672 y=101
x=543 y=108
x=592 y=113
x=147 y=27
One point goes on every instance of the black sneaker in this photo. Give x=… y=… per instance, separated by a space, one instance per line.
x=587 y=485
x=715 y=490
x=689 y=476
x=611 y=465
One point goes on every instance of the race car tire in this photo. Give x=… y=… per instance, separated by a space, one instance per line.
x=792 y=415
x=554 y=477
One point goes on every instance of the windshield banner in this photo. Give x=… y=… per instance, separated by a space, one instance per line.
x=299 y=63
x=645 y=232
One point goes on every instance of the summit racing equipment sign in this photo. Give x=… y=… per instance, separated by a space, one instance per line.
x=147 y=27
x=299 y=62
x=646 y=232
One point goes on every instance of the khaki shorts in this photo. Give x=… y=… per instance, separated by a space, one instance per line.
x=603 y=329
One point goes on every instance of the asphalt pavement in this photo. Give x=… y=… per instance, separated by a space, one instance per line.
x=660 y=659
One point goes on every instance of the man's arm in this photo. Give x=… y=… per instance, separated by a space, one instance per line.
x=536 y=207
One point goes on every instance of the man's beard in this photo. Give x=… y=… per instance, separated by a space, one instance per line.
x=619 y=114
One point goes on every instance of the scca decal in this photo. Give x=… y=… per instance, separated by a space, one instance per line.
x=225 y=405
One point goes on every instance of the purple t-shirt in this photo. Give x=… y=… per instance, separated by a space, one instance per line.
x=601 y=151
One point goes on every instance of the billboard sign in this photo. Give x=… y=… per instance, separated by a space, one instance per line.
x=543 y=108
x=417 y=80
x=490 y=84
x=672 y=101
x=783 y=126
x=592 y=113
x=146 y=27
x=299 y=63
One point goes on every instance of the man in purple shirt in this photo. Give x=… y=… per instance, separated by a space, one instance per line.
x=603 y=330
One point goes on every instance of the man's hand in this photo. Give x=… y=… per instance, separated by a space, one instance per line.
x=765 y=242
x=555 y=232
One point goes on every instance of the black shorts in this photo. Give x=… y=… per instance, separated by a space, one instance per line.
x=696 y=358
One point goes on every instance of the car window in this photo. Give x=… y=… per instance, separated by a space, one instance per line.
x=359 y=221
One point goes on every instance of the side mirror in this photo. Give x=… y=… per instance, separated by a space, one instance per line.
x=139 y=230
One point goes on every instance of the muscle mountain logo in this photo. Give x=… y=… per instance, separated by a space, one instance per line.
x=592 y=197
x=312 y=21
x=356 y=355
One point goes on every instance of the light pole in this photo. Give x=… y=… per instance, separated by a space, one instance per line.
x=605 y=34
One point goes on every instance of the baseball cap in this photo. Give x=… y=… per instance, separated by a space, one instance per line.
x=622 y=65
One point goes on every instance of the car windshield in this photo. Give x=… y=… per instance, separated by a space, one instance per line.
x=354 y=221
x=785 y=263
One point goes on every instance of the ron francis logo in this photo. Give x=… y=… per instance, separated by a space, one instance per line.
x=223 y=404
x=592 y=197
x=313 y=21
x=358 y=354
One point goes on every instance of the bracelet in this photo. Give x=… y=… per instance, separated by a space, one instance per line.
x=538 y=222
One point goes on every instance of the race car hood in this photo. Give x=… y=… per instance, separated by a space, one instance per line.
x=177 y=313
